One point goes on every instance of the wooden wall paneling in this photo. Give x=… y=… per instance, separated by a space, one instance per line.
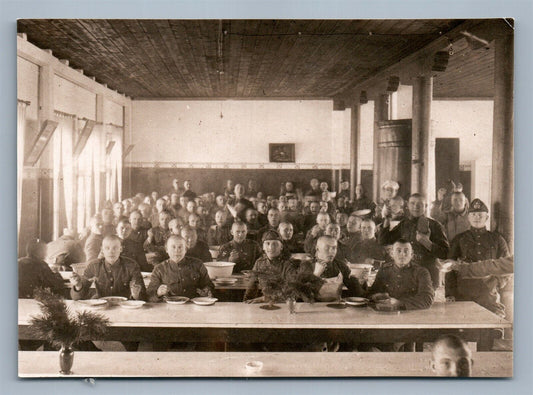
x=446 y=161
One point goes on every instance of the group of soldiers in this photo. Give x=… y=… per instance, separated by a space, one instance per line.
x=172 y=235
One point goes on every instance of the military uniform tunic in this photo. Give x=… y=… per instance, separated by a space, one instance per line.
x=411 y=285
x=243 y=254
x=472 y=246
x=110 y=280
x=182 y=279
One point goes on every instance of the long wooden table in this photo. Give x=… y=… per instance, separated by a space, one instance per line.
x=233 y=364
x=240 y=322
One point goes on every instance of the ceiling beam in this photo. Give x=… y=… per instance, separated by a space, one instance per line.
x=413 y=65
x=48 y=128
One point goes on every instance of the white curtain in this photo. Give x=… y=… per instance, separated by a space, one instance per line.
x=114 y=163
x=64 y=176
x=88 y=165
x=21 y=132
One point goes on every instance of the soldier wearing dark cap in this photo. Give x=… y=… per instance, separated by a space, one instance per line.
x=272 y=262
x=478 y=244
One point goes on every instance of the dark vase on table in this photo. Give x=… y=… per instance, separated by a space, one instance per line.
x=66 y=359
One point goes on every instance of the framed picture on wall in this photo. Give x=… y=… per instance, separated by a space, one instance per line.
x=281 y=152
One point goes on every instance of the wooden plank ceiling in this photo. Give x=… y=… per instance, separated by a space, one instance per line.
x=251 y=58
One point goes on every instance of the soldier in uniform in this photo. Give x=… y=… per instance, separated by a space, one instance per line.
x=157 y=237
x=406 y=284
x=179 y=275
x=425 y=234
x=272 y=262
x=477 y=244
x=335 y=272
x=220 y=233
x=244 y=252
x=113 y=275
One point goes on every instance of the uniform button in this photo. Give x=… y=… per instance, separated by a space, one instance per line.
x=479 y=252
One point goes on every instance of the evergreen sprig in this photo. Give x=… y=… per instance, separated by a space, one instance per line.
x=278 y=287
x=59 y=326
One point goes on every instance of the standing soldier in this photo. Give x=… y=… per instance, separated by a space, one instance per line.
x=478 y=244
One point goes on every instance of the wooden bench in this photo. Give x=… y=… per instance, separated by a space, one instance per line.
x=232 y=364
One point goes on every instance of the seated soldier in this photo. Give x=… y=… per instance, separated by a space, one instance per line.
x=93 y=244
x=426 y=235
x=128 y=207
x=362 y=202
x=367 y=249
x=291 y=243
x=451 y=357
x=160 y=205
x=262 y=210
x=175 y=226
x=188 y=193
x=220 y=204
x=131 y=248
x=157 y=237
x=146 y=211
x=334 y=230
x=183 y=212
x=252 y=223
x=118 y=212
x=179 y=275
x=242 y=251
x=174 y=206
x=402 y=283
x=342 y=220
x=220 y=233
x=435 y=210
x=65 y=250
x=322 y=221
x=113 y=275
x=315 y=191
x=241 y=203
x=194 y=222
x=343 y=206
x=108 y=227
x=310 y=219
x=456 y=219
x=274 y=219
x=353 y=231
x=477 y=244
x=34 y=272
x=334 y=272
x=389 y=189
x=195 y=248
x=272 y=262
x=138 y=232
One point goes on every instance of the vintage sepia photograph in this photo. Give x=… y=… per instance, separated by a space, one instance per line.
x=265 y=197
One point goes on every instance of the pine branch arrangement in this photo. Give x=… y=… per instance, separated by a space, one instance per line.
x=59 y=326
x=277 y=287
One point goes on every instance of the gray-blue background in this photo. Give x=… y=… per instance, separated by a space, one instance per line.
x=522 y=11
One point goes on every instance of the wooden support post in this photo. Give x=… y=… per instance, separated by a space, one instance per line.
x=355 y=137
x=381 y=113
x=502 y=141
x=422 y=96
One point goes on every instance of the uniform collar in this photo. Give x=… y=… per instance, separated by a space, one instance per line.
x=478 y=230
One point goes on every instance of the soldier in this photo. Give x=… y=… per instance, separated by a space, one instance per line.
x=242 y=251
x=477 y=244
x=403 y=283
x=220 y=233
x=425 y=234
x=272 y=262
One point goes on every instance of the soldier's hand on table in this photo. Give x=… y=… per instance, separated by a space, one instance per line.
x=162 y=290
x=380 y=297
x=206 y=292
x=255 y=300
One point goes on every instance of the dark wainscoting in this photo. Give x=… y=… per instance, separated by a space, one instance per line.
x=269 y=180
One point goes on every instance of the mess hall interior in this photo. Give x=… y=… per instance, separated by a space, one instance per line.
x=251 y=187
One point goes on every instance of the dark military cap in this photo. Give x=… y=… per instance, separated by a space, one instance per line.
x=477 y=206
x=271 y=235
